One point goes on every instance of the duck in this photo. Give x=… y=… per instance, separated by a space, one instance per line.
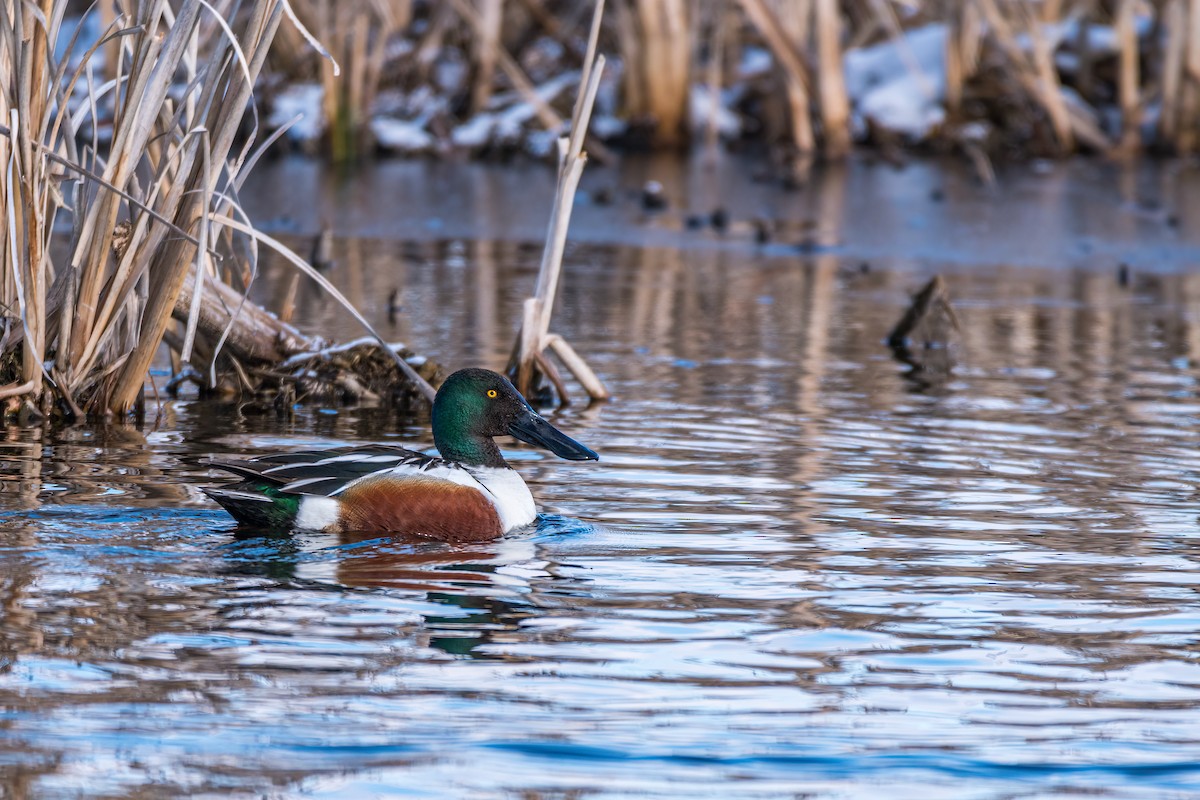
x=468 y=494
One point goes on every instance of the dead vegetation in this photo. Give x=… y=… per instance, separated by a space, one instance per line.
x=807 y=77
x=122 y=158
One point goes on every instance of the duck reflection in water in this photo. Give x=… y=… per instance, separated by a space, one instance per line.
x=487 y=588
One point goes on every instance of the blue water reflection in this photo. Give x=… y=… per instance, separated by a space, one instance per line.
x=795 y=572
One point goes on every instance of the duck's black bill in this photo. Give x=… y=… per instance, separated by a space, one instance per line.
x=533 y=429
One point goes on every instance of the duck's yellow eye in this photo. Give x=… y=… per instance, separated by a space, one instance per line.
x=491 y=392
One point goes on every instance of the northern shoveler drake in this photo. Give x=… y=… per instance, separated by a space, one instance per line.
x=469 y=494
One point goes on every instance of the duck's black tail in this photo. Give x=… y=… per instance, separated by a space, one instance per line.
x=255 y=501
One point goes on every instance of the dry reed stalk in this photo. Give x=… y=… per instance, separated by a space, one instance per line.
x=491 y=16
x=831 y=80
x=1085 y=73
x=1175 y=28
x=1189 y=116
x=795 y=16
x=1048 y=84
x=29 y=200
x=714 y=78
x=169 y=164
x=357 y=35
x=534 y=336
x=168 y=268
x=287 y=309
x=956 y=61
x=1128 y=77
x=971 y=38
x=657 y=64
x=632 y=89
x=786 y=52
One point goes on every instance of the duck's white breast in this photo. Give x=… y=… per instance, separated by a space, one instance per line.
x=506 y=488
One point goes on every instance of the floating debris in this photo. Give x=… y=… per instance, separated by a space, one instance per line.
x=322 y=249
x=654 y=197
x=358 y=371
x=762 y=230
x=930 y=320
x=719 y=219
x=393 y=305
x=925 y=337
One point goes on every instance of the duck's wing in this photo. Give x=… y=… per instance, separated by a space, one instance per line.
x=328 y=472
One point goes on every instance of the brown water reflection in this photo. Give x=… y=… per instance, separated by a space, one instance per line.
x=799 y=570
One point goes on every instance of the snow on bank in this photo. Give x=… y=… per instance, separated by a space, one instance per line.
x=900 y=84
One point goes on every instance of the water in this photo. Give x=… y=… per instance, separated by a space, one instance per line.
x=799 y=570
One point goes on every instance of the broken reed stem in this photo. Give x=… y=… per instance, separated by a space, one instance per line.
x=537 y=310
x=577 y=366
x=933 y=298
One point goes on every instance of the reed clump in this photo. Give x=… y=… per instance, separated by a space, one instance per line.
x=808 y=77
x=123 y=146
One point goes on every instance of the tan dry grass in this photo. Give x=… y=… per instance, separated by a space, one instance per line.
x=149 y=204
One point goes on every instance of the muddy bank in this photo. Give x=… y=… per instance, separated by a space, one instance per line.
x=1082 y=213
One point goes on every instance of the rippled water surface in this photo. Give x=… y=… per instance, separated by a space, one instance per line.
x=801 y=569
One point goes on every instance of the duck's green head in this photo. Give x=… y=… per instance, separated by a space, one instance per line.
x=474 y=405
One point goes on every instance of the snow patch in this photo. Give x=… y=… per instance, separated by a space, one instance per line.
x=702 y=110
x=900 y=84
x=304 y=99
x=401 y=136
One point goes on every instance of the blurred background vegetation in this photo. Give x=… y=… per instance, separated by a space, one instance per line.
x=803 y=78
